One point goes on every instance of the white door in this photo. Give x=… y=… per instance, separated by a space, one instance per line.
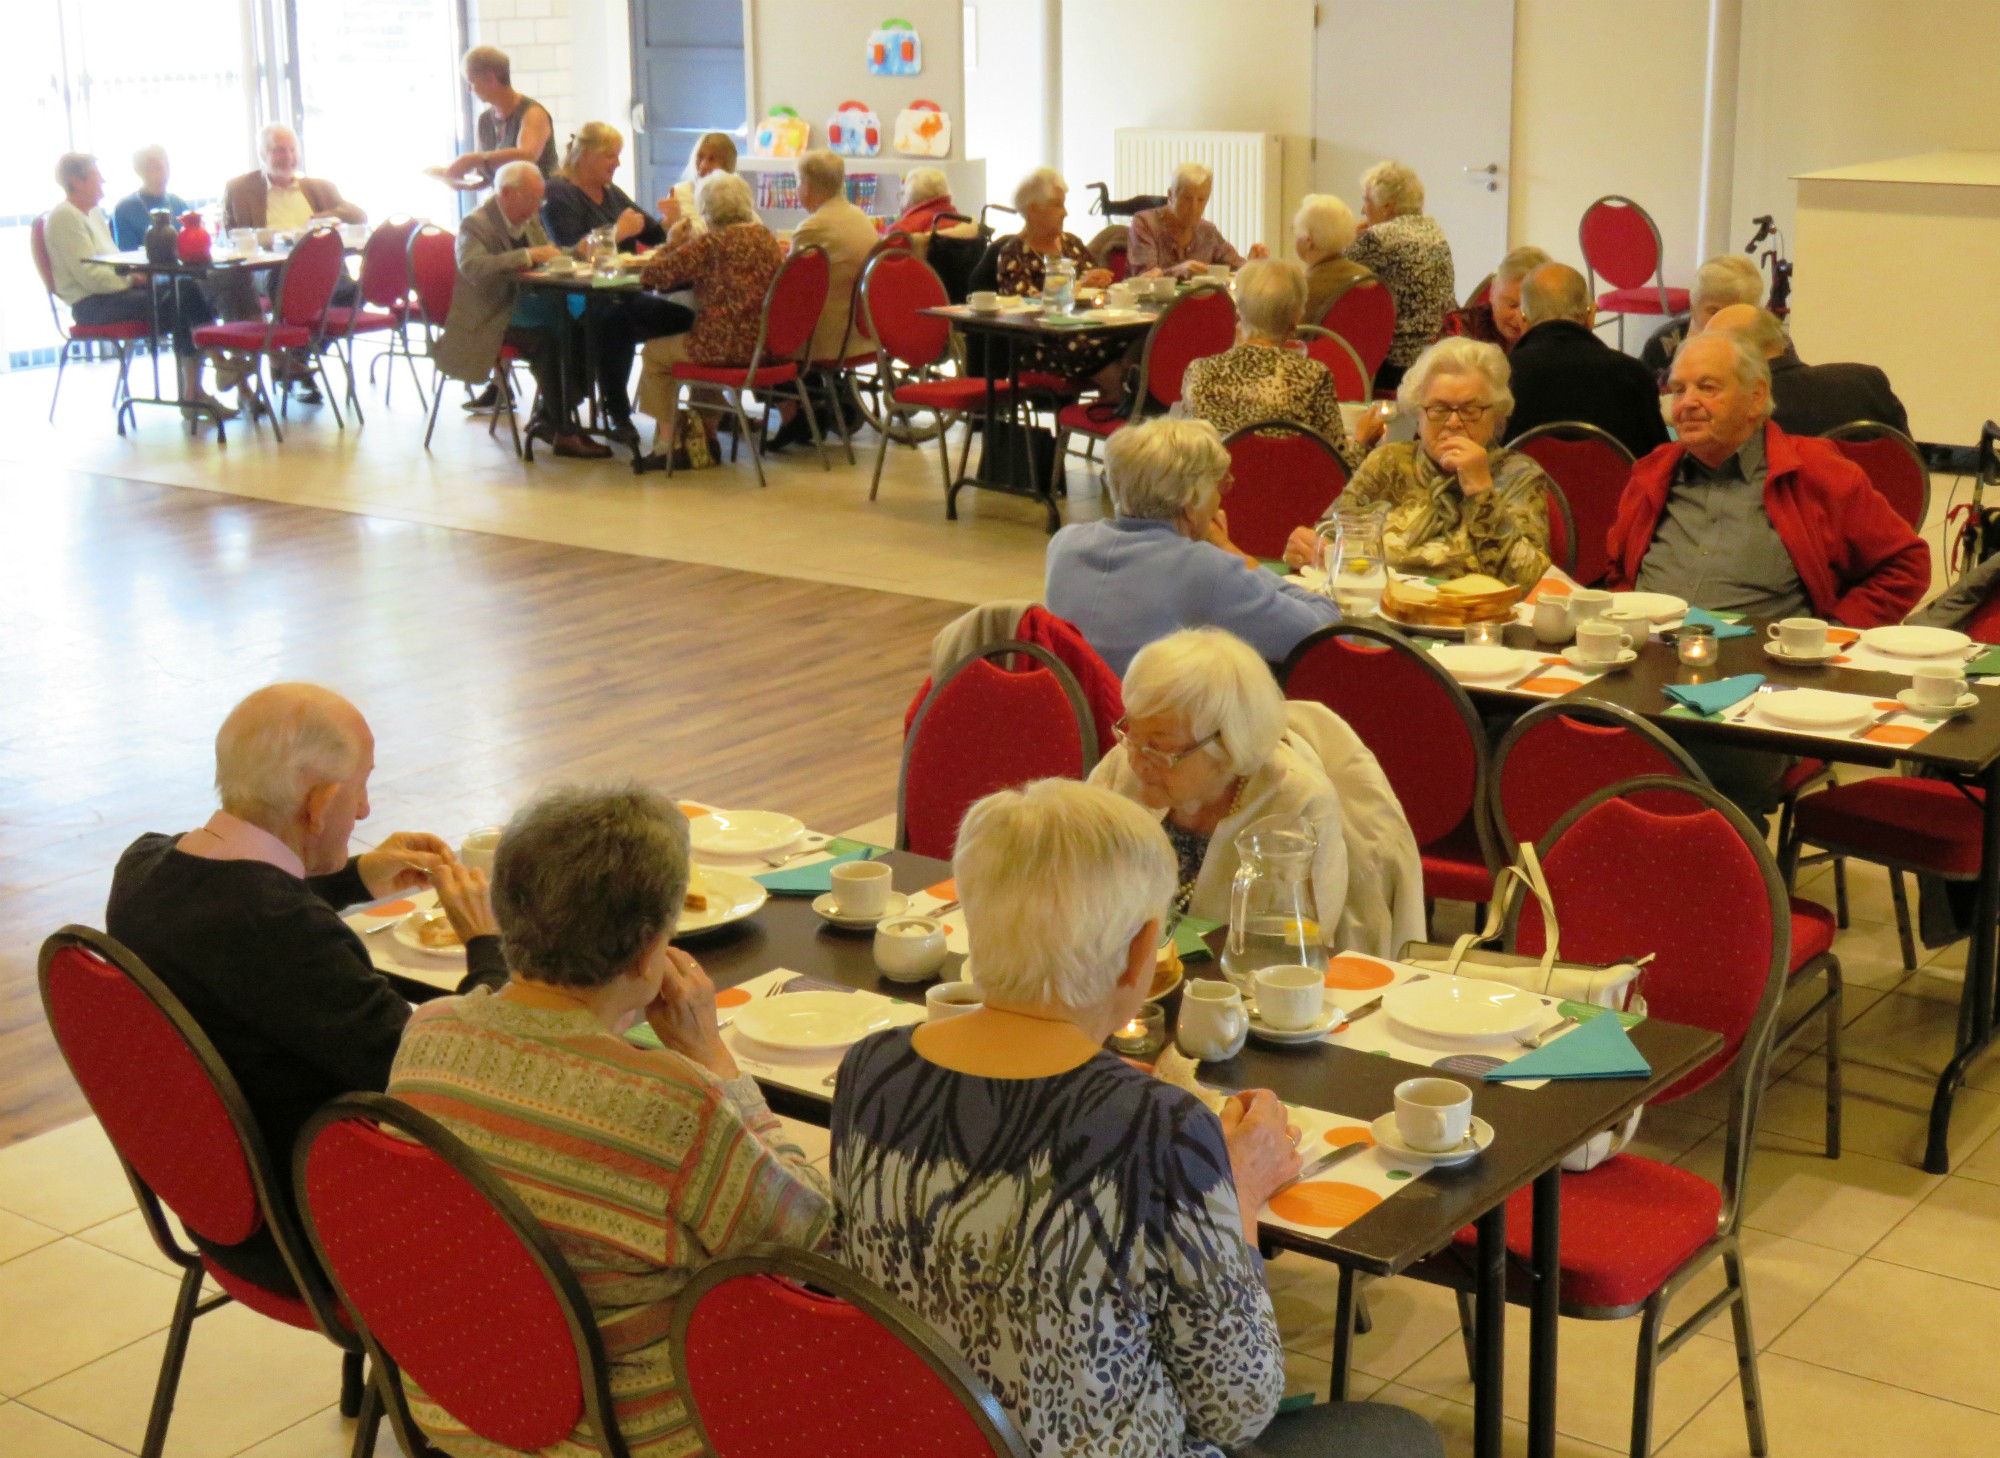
x=1431 y=83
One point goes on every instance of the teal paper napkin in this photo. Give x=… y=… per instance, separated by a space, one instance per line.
x=816 y=879
x=1600 y=1048
x=1724 y=627
x=1713 y=698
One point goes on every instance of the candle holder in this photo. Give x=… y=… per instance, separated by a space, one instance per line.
x=1696 y=645
x=1144 y=1036
x=1486 y=635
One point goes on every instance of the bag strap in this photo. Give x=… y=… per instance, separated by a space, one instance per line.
x=1526 y=872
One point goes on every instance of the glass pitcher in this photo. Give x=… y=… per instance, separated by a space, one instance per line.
x=1273 y=918
x=1352 y=558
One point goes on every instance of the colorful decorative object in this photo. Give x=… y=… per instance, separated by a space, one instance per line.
x=923 y=130
x=854 y=130
x=194 y=245
x=895 y=49
x=781 y=134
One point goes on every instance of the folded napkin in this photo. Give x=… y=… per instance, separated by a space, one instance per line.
x=1713 y=698
x=1189 y=937
x=1985 y=664
x=1600 y=1048
x=817 y=878
x=1724 y=627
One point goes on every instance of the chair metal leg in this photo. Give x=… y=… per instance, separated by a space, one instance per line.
x=1645 y=1373
x=326 y=388
x=1746 y=1353
x=437 y=399
x=882 y=455
x=812 y=424
x=1343 y=1335
x=673 y=429
x=1840 y=892
x=1899 y=894
x=1465 y=1333
x=264 y=393
x=62 y=363
x=186 y=1307
x=1836 y=997
x=735 y=399
x=836 y=382
x=352 y=1381
x=367 y=1420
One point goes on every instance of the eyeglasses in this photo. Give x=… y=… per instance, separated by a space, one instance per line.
x=1470 y=414
x=1158 y=759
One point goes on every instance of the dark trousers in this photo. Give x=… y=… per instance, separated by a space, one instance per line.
x=562 y=382
x=618 y=327
x=183 y=306
x=1372 y=1428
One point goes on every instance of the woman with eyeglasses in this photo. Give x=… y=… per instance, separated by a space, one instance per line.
x=1458 y=503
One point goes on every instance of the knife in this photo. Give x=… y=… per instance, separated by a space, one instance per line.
x=1326 y=1162
x=1366 y=1008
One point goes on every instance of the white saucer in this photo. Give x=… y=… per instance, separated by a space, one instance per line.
x=1330 y=1018
x=1390 y=1142
x=824 y=906
x=1575 y=659
x=1777 y=650
x=1907 y=698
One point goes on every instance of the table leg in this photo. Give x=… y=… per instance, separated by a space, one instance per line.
x=1343 y=1335
x=1489 y=1338
x=1981 y=971
x=153 y=308
x=1543 y=1322
x=985 y=442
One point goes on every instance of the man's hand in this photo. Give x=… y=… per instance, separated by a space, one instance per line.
x=462 y=892
x=403 y=862
x=541 y=254
x=1466 y=460
x=1096 y=278
x=1263 y=1155
x=631 y=223
x=684 y=1015
x=1304 y=547
x=1258 y=250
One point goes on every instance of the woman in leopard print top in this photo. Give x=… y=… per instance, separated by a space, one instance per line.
x=1408 y=252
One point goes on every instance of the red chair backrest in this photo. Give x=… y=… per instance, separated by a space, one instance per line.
x=1284 y=476
x=1696 y=889
x=1118 y=258
x=433 y=272
x=1984 y=624
x=1192 y=327
x=1364 y=314
x=1353 y=382
x=895 y=287
x=38 y=244
x=1620 y=242
x=442 y=1274
x=1592 y=468
x=1562 y=527
x=1482 y=292
x=792 y=308
x=985 y=729
x=309 y=277
x=1550 y=762
x=1416 y=721
x=1892 y=463
x=385 y=263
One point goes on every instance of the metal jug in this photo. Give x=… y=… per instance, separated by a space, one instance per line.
x=1273 y=917
x=162 y=242
x=1352 y=556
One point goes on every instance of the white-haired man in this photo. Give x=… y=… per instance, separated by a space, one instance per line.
x=1176 y=239
x=1728 y=278
x=1497 y=319
x=134 y=213
x=1563 y=371
x=847 y=236
x=240 y=919
x=1322 y=229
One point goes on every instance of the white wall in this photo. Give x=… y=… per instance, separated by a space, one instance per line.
x=539 y=39
x=1011 y=95
x=601 y=70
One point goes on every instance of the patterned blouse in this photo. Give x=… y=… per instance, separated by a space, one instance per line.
x=1410 y=254
x=1077 y=1238
x=1152 y=245
x=1254 y=382
x=641 y=1165
x=1077 y=356
x=1434 y=529
x=730 y=271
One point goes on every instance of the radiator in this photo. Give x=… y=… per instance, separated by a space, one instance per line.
x=1248 y=201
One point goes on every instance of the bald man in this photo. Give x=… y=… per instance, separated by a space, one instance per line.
x=1812 y=399
x=1563 y=371
x=240 y=919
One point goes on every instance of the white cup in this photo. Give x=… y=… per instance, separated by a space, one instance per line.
x=909 y=948
x=1433 y=1114
x=1587 y=603
x=243 y=240
x=860 y=888
x=952 y=999
x=1213 y=1021
x=1163 y=288
x=1118 y=296
x=982 y=301
x=1551 y=619
x=1938 y=685
x=1800 y=637
x=1219 y=270
x=1600 y=642
x=477 y=849
x=1290 y=998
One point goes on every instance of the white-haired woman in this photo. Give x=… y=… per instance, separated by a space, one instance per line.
x=1266 y=376
x=1041 y=200
x=1176 y=239
x=926 y=201
x=1083 y=1232
x=1322 y=231
x=1209 y=743
x=1165 y=562
x=1406 y=249
x=1497 y=319
x=1458 y=503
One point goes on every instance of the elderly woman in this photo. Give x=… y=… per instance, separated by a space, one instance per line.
x=1041 y=202
x=926 y=201
x=1165 y=562
x=729 y=268
x=1083 y=1232
x=1176 y=239
x=1265 y=377
x=1321 y=234
x=1407 y=250
x=1209 y=743
x=643 y=1163
x=1498 y=319
x=1458 y=503
x=715 y=152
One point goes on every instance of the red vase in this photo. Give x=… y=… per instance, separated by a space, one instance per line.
x=194 y=244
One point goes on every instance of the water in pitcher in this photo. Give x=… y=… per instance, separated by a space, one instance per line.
x=1356 y=573
x=1273 y=917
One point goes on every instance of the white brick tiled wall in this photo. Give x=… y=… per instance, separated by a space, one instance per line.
x=535 y=34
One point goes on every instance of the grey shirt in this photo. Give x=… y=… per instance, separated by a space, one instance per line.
x=1715 y=545
x=503 y=133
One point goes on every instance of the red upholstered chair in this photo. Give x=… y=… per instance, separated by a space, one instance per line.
x=1364 y=314
x=758 y=1357
x=1482 y=292
x=433 y=280
x=1283 y=476
x=775 y=367
x=189 y=1145
x=125 y=335
x=1636 y=1232
x=983 y=729
x=384 y=305
x=1353 y=382
x=1192 y=327
x=1591 y=466
x=451 y=1279
x=1621 y=244
x=1423 y=731
x=1562 y=528
x=297 y=325
x=1893 y=464
x=857 y=348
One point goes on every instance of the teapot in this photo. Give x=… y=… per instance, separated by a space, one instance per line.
x=194 y=245
x=1273 y=915
x=161 y=245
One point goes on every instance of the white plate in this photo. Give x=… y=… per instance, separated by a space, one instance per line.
x=1907 y=698
x=1390 y=1141
x=1462 y=1007
x=1654 y=607
x=1465 y=660
x=1329 y=1019
x=1574 y=657
x=812 y=1021
x=405 y=931
x=1908 y=642
x=1815 y=709
x=743 y=832
x=898 y=904
x=1776 y=650
x=731 y=897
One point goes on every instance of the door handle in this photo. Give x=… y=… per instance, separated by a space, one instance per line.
x=638 y=118
x=1491 y=172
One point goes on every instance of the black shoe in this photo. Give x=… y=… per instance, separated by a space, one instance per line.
x=793 y=432
x=486 y=400
x=307 y=393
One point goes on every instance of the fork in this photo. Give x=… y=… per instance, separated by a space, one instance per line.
x=1535 y=1040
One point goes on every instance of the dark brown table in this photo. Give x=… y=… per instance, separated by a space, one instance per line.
x=1966 y=749
x=1533 y=1130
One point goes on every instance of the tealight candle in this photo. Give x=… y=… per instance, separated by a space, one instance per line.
x=1145 y=1035
x=1695 y=642
x=1485 y=635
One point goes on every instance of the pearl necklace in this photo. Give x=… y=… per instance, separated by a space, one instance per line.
x=1185 y=893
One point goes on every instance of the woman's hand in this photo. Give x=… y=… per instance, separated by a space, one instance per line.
x=631 y=223
x=1258 y=250
x=462 y=892
x=1263 y=1155
x=683 y=1014
x=1465 y=459
x=1374 y=423
x=1304 y=547
x=669 y=209
x=1097 y=278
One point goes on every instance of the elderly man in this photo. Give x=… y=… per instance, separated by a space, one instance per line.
x=847 y=235
x=510 y=128
x=1812 y=399
x=1498 y=319
x=497 y=242
x=1726 y=279
x=1562 y=371
x=1176 y=239
x=134 y=213
x=239 y=918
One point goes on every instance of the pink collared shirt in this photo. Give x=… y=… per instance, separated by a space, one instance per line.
x=228 y=838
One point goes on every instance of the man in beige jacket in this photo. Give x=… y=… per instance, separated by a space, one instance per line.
x=848 y=236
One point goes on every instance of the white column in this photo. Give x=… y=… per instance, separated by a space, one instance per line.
x=1718 y=128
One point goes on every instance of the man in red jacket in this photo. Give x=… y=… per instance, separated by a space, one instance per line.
x=1737 y=516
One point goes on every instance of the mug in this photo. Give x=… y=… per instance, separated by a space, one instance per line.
x=243 y=240
x=1290 y=998
x=909 y=948
x=1213 y=1021
x=477 y=849
x=860 y=888
x=1587 y=603
x=1601 y=642
x=1937 y=685
x=1551 y=619
x=982 y=301
x=951 y=999
x=1163 y=289
x=1118 y=296
x=1433 y=1114
x=1800 y=637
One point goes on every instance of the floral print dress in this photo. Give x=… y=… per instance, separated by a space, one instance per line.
x=1076 y=357
x=730 y=271
x=1413 y=257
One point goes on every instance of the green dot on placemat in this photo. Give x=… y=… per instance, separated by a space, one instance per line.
x=1398 y=1174
x=1379 y=1052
